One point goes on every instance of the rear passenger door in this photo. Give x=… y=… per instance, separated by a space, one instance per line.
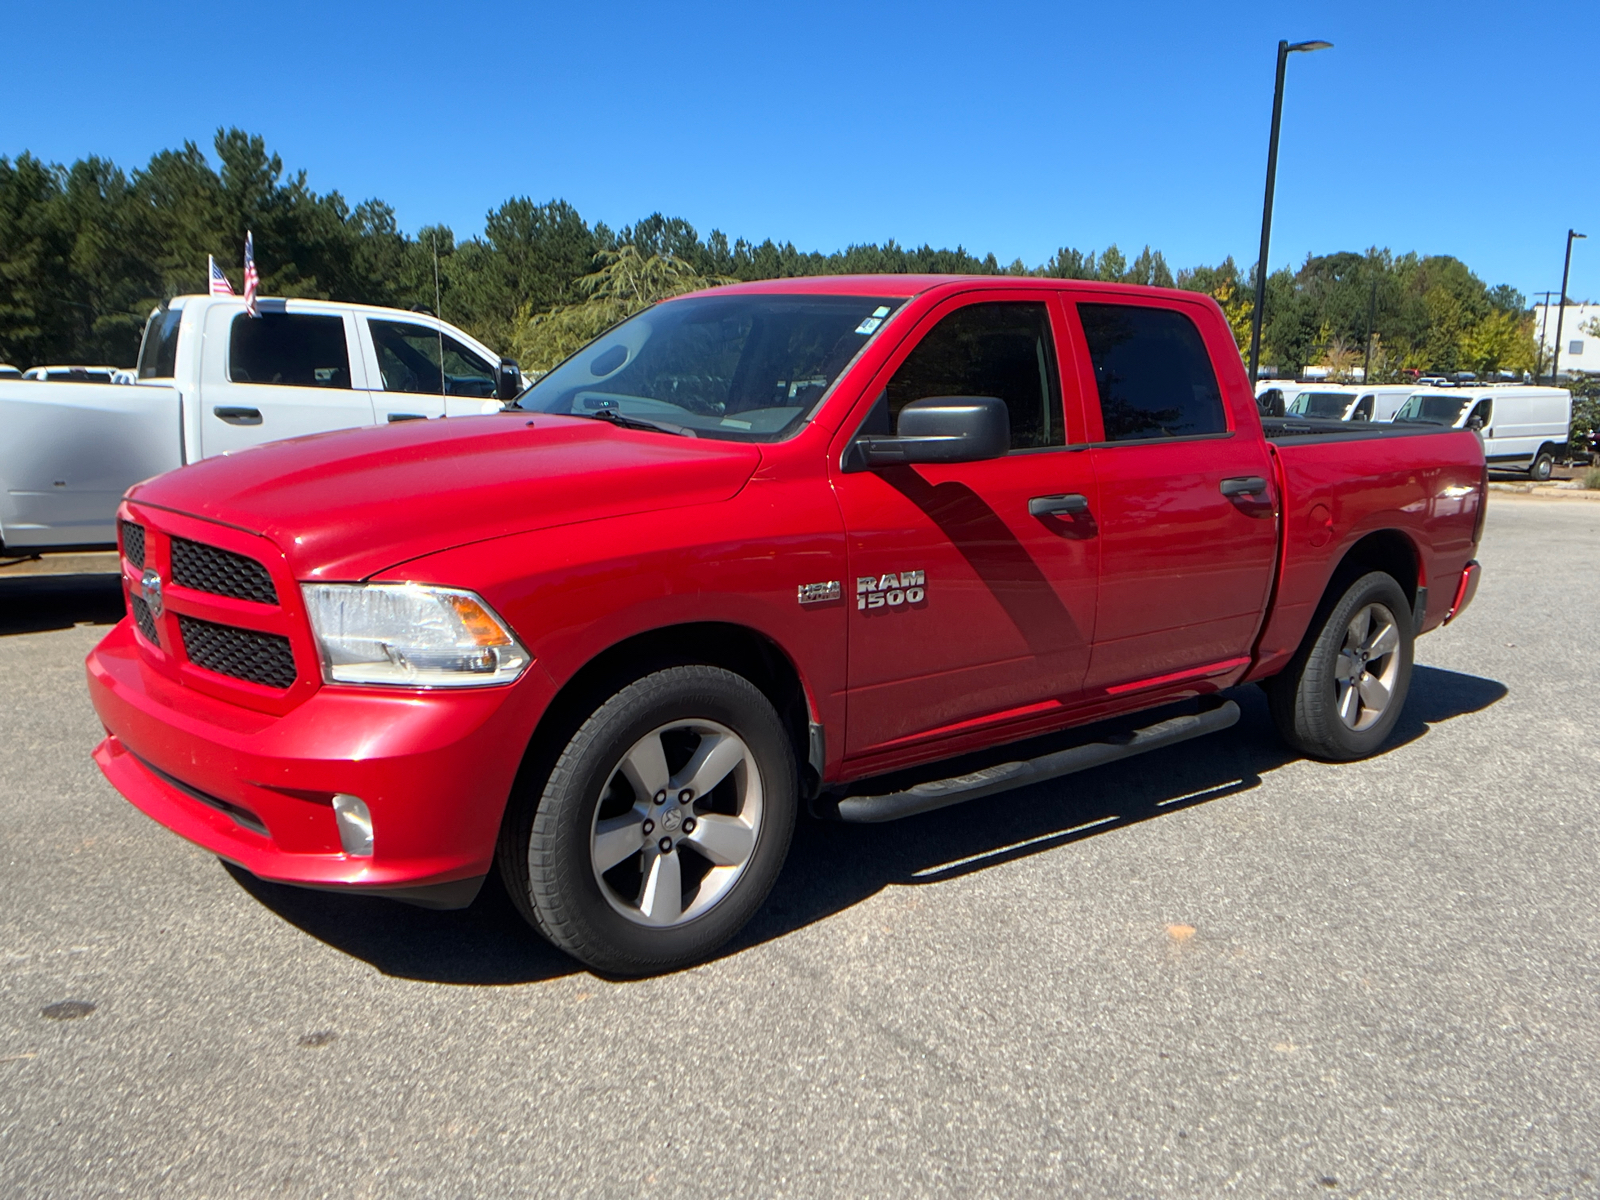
x=1186 y=513
x=282 y=374
x=407 y=357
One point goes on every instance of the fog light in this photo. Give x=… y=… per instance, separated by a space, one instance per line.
x=355 y=825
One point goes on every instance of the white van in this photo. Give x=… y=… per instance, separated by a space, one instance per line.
x=1523 y=428
x=1380 y=402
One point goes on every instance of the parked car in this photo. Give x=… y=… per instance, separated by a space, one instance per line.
x=1523 y=428
x=214 y=380
x=9 y=372
x=806 y=541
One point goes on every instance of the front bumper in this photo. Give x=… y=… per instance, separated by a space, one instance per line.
x=434 y=768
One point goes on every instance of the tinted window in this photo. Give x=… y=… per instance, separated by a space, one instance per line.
x=1440 y=410
x=1002 y=350
x=1321 y=404
x=743 y=367
x=409 y=356
x=158 y=352
x=290 y=350
x=1153 y=372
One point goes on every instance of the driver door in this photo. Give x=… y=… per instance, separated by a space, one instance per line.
x=966 y=610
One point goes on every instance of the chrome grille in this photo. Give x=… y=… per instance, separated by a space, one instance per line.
x=143 y=619
x=263 y=658
x=133 y=543
x=220 y=572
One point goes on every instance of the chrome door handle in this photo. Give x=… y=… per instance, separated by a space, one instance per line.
x=237 y=416
x=1069 y=505
x=1245 y=485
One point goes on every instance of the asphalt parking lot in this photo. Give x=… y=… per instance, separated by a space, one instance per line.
x=1215 y=970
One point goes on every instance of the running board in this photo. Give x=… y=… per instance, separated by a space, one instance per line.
x=939 y=793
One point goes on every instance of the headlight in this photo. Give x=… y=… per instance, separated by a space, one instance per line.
x=410 y=635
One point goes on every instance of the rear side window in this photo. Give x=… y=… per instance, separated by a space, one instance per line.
x=1153 y=373
x=409 y=356
x=290 y=350
x=158 y=352
x=1003 y=350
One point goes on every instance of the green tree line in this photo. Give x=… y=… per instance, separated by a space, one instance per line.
x=87 y=250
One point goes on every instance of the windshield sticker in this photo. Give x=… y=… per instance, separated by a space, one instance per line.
x=869 y=325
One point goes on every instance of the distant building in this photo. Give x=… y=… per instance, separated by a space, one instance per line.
x=1580 y=349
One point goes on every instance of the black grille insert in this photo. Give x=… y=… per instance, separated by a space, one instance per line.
x=263 y=658
x=220 y=572
x=143 y=619
x=133 y=543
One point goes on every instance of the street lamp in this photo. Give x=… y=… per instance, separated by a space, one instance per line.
x=1555 y=359
x=1284 y=50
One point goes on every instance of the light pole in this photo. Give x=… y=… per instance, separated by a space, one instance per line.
x=1284 y=50
x=1555 y=358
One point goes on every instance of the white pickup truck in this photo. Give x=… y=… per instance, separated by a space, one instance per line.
x=211 y=379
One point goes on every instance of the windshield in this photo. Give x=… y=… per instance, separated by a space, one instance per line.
x=158 y=352
x=738 y=367
x=1441 y=410
x=1320 y=404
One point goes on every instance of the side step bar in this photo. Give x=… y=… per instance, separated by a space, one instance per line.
x=939 y=793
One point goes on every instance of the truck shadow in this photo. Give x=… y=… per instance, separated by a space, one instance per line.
x=35 y=603
x=832 y=867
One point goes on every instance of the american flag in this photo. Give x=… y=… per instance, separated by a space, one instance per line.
x=219 y=282
x=251 y=280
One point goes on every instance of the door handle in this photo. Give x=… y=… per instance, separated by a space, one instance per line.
x=237 y=416
x=393 y=417
x=1058 y=506
x=1245 y=485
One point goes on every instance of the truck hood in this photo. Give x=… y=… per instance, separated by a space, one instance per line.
x=348 y=505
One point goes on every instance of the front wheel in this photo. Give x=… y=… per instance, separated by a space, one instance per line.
x=1341 y=695
x=661 y=827
x=1539 y=470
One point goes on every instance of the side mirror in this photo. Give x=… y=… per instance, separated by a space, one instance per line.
x=507 y=380
x=1475 y=423
x=938 y=429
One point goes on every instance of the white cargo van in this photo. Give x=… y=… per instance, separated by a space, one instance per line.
x=212 y=379
x=1523 y=428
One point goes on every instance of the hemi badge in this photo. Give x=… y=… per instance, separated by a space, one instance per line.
x=816 y=593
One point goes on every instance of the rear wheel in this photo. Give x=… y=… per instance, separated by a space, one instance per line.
x=1539 y=470
x=661 y=827
x=1341 y=695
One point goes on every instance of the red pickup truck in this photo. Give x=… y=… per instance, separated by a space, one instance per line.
x=811 y=541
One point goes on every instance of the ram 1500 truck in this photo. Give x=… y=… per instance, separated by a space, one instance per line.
x=798 y=542
x=212 y=379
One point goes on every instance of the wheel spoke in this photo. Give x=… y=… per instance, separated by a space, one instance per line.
x=1349 y=703
x=716 y=755
x=1344 y=667
x=1356 y=632
x=661 y=900
x=726 y=841
x=1385 y=641
x=1373 y=694
x=645 y=767
x=617 y=839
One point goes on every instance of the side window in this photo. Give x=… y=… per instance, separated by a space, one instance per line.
x=1153 y=373
x=290 y=350
x=1363 y=410
x=1483 y=413
x=1003 y=350
x=408 y=357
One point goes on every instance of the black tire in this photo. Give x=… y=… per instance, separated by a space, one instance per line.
x=547 y=849
x=1305 y=700
x=1539 y=468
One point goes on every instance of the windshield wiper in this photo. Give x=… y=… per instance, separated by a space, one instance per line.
x=616 y=418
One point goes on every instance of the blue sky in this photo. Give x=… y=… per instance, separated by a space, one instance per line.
x=1012 y=127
